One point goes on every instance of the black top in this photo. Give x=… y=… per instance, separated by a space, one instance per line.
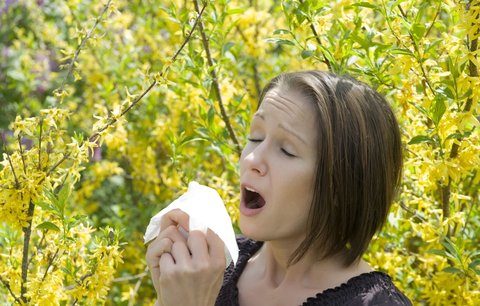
x=373 y=288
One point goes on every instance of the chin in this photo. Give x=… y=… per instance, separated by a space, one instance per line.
x=253 y=231
x=250 y=231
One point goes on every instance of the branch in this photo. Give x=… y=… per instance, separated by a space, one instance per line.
x=319 y=42
x=137 y=286
x=256 y=77
x=27 y=231
x=82 y=44
x=434 y=18
x=112 y=120
x=38 y=247
x=40 y=145
x=49 y=264
x=7 y=285
x=17 y=184
x=417 y=51
x=412 y=212
x=129 y=278
x=473 y=204
x=473 y=72
x=197 y=20
x=19 y=139
x=215 y=84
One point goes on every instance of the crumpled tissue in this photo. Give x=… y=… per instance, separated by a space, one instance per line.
x=206 y=210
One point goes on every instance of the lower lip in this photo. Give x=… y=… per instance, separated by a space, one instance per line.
x=244 y=210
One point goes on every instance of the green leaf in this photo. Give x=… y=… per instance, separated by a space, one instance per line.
x=281 y=31
x=420 y=108
x=474 y=264
x=401 y=51
x=421 y=139
x=418 y=30
x=366 y=4
x=280 y=41
x=16 y=75
x=66 y=270
x=210 y=116
x=455 y=136
x=438 y=252
x=437 y=109
x=452 y=270
x=467 y=94
x=48 y=226
x=307 y=53
x=237 y=10
x=451 y=248
x=227 y=46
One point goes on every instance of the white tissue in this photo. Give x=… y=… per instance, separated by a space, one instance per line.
x=206 y=210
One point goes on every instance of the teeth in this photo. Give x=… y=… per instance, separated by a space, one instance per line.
x=250 y=189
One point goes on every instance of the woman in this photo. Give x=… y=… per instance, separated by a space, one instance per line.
x=318 y=175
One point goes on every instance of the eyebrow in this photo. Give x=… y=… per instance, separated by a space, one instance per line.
x=283 y=127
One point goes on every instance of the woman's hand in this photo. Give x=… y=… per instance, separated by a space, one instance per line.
x=185 y=271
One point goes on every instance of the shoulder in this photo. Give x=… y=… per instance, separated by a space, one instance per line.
x=247 y=247
x=228 y=294
x=373 y=288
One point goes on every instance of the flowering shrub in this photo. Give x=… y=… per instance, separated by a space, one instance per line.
x=109 y=109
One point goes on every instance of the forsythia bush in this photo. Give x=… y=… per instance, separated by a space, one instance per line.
x=109 y=108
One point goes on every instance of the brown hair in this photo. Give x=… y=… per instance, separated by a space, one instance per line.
x=359 y=162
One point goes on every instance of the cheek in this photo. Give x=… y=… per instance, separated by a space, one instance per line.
x=241 y=161
x=304 y=186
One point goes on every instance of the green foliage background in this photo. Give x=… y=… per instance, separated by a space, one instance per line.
x=109 y=109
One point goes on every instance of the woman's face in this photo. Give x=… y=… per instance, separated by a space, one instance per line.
x=277 y=169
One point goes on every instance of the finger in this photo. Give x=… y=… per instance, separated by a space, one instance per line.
x=197 y=244
x=175 y=217
x=172 y=232
x=215 y=243
x=167 y=263
x=216 y=247
x=181 y=254
x=155 y=251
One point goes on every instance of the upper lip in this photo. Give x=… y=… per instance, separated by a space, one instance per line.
x=245 y=186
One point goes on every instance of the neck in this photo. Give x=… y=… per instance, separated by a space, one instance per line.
x=309 y=272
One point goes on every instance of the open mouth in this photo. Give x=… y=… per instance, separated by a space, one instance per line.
x=253 y=200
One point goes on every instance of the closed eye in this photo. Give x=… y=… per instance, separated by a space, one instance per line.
x=288 y=153
x=254 y=140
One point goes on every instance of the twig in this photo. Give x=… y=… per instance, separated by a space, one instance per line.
x=58 y=163
x=19 y=139
x=256 y=78
x=17 y=184
x=319 y=42
x=419 y=55
x=27 y=231
x=473 y=71
x=49 y=264
x=215 y=84
x=7 y=285
x=446 y=199
x=137 y=286
x=434 y=18
x=197 y=20
x=40 y=146
x=96 y=134
x=467 y=219
x=38 y=247
x=414 y=213
x=82 y=43
x=129 y=278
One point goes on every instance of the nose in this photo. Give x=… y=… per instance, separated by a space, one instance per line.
x=254 y=158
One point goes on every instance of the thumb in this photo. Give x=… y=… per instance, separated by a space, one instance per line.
x=177 y=218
